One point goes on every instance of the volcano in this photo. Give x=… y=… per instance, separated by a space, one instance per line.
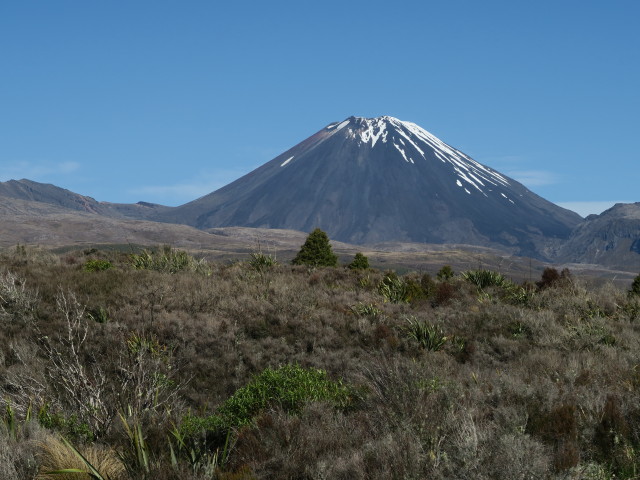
x=374 y=180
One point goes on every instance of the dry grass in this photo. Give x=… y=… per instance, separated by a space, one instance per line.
x=55 y=455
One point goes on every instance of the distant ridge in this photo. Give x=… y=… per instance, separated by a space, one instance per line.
x=52 y=195
x=611 y=238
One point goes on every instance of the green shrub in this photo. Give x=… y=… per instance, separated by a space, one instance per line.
x=97 y=265
x=445 y=273
x=261 y=262
x=414 y=290
x=360 y=262
x=394 y=289
x=69 y=426
x=428 y=285
x=168 y=260
x=98 y=314
x=512 y=293
x=430 y=337
x=289 y=387
x=517 y=295
x=485 y=278
x=316 y=251
x=366 y=310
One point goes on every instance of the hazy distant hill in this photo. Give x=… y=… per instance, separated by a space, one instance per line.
x=66 y=199
x=611 y=238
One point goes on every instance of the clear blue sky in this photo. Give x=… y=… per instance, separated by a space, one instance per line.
x=165 y=101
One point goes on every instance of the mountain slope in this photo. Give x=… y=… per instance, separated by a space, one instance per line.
x=611 y=239
x=375 y=180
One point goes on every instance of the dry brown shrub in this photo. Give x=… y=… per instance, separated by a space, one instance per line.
x=18 y=451
x=558 y=428
x=445 y=292
x=518 y=456
x=323 y=443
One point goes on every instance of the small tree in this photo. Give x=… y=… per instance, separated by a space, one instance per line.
x=360 y=262
x=316 y=251
x=445 y=273
x=635 y=286
x=551 y=278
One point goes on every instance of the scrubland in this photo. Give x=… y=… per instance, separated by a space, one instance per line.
x=161 y=366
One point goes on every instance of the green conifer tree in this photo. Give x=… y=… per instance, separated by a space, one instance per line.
x=316 y=251
x=360 y=262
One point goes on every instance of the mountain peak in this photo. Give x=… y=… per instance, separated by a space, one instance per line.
x=412 y=143
x=369 y=180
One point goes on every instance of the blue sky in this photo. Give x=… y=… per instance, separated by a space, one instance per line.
x=165 y=101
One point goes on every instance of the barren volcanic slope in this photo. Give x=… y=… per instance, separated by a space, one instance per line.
x=370 y=180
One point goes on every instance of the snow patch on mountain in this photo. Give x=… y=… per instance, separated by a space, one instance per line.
x=414 y=137
x=375 y=129
x=402 y=152
x=342 y=125
x=286 y=161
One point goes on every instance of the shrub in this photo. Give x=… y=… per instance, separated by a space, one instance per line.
x=428 y=336
x=559 y=428
x=635 y=286
x=70 y=427
x=551 y=278
x=552 y=384
x=18 y=452
x=511 y=293
x=316 y=251
x=360 y=262
x=394 y=289
x=414 y=290
x=445 y=273
x=289 y=387
x=428 y=285
x=261 y=262
x=98 y=314
x=366 y=310
x=485 y=278
x=168 y=260
x=517 y=295
x=97 y=265
x=445 y=292
x=15 y=299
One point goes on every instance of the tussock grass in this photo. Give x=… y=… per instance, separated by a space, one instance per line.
x=57 y=456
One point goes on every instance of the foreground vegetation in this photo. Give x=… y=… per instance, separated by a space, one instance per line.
x=161 y=366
